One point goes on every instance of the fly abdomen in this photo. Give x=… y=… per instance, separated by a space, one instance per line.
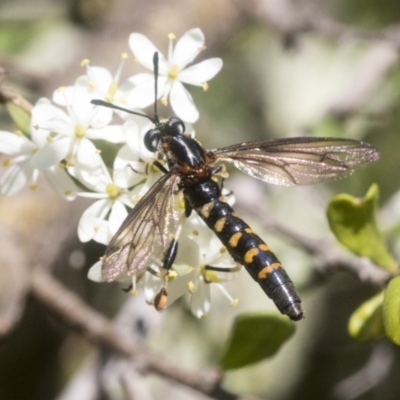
x=249 y=250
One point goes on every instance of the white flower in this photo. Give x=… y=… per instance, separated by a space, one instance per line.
x=64 y=132
x=103 y=218
x=172 y=72
x=106 y=87
x=24 y=154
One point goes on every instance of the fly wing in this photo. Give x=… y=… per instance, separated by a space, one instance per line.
x=298 y=161
x=146 y=231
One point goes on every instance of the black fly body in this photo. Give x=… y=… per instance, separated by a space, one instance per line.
x=152 y=228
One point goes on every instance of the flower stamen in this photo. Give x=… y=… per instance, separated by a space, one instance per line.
x=233 y=302
x=85 y=62
x=112 y=89
x=133 y=291
x=191 y=287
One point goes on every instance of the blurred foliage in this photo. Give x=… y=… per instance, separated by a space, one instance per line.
x=255 y=337
x=391 y=310
x=367 y=13
x=367 y=321
x=20 y=117
x=353 y=221
x=264 y=90
x=15 y=37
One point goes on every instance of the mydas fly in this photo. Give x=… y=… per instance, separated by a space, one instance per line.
x=151 y=230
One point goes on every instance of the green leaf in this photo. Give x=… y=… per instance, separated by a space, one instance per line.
x=353 y=221
x=327 y=126
x=367 y=321
x=391 y=310
x=255 y=337
x=20 y=117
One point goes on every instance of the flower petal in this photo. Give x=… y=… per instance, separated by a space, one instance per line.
x=123 y=175
x=202 y=72
x=187 y=48
x=117 y=216
x=13 y=144
x=143 y=94
x=143 y=49
x=89 y=167
x=80 y=104
x=134 y=136
x=180 y=286
x=94 y=273
x=63 y=96
x=200 y=303
x=188 y=251
x=47 y=118
x=111 y=133
x=100 y=79
x=182 y=103
x=51 y=154
x=61 y=182
x=151 y=286
x=15 y=178
x=102 y=116
x=90 y=221
x=94 y=229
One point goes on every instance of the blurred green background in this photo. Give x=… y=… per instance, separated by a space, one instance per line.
x=290 y=69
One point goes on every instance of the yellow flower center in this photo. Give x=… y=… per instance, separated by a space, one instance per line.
x=79 y=131
x=112 y=191
x=173 y=72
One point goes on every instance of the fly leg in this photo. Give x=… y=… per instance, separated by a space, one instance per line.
x=222 y=269
x=146 y=171
x=161 y=299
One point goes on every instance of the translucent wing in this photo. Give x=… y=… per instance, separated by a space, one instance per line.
x=145 y=233
x=298 y=161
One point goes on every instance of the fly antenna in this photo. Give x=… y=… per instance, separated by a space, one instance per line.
x=110 y=105
x=155 y=63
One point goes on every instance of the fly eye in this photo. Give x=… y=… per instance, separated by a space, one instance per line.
x=152 y=139
x=176 y=125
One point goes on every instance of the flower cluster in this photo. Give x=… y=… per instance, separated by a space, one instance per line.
x=63 y=141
